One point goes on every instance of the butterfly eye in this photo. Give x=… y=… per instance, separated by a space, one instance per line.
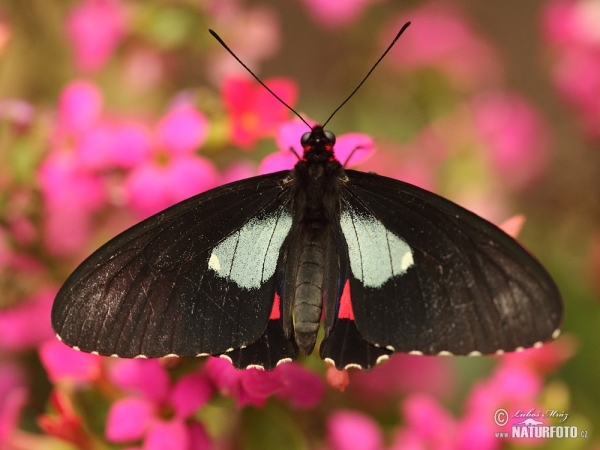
x=330 y=136
x=304 y=140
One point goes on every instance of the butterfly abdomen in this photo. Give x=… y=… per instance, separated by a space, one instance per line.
x=308 y=294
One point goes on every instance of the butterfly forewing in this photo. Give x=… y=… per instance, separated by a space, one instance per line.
x=428 y=276
x=197 y=278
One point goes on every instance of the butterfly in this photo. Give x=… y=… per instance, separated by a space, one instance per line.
x=248 y=271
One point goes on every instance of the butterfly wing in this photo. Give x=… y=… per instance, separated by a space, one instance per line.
x=427 y=276
x=197 y=278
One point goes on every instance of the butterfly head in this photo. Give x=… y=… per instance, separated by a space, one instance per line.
x=318 y=145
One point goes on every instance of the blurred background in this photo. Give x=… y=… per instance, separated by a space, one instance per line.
x=111 y=110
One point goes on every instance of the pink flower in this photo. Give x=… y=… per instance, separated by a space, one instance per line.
x=17 y=113
x=14 y=394
x=569 y=23
x=139 y=416
x=171 y=171
x=571 y=27
x=69 y=180
x=253 y=387
x=546 y=359
x=349 y=430
x=415 y=162
x=254 y=112
x=513 y=225
x=64 y=363
x=441 y=38
x=253 y=32
x=238 y=171
x=79 y=107
x=28 y=324
x=95 y=28
x=514 y=134
x=419 y=374
x=339 y=379
x=337 y=13
x=71 y=195
x=428 y=425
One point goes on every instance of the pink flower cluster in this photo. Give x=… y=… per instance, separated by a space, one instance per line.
x=571 y=28
x=516 y=384
x=160 y=413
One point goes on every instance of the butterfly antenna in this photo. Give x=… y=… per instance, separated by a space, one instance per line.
x=218 y=38
x=370 y=71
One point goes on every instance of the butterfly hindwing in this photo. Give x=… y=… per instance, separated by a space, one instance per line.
x=197 y=278
x=428 y=276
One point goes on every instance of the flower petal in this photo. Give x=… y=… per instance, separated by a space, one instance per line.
x=62 y=362
x=190 y=393
x=144 y=376
x=128 y=419
x=171 y=435
x=182 y=130
x=348 y=430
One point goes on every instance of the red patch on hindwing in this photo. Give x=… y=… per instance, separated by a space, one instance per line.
x=345 y=311
x=275 y=314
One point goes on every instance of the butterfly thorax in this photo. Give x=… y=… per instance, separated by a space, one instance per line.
x=316 y=205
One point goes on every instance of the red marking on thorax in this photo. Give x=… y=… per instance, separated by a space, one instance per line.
x=345 y=311
x=275 y=310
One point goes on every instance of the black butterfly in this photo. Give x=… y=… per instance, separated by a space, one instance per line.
x=247 y=270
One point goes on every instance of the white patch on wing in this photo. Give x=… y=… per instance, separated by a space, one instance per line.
x=214 y=263
x=249 y=256
x=376 y=254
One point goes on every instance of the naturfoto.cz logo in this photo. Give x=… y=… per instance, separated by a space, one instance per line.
x=527 y=425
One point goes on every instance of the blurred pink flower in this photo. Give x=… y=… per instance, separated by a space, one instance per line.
x=238 y=171
x=253 y=32
x=13 y=397
x=291 y=381
x=95 y=28
x=70 y=195
x=511 y=386
x=415 y=162
x=132 y=144
x=513 y=225
x=64 y=363
x=427 y=425
x=19 y=114
x=339 y=379
x=337 y=13
x=546 y=359
x=441 y=38
x=571 y=28
x=569 y=23
x=514 y=134
x=140 y=415
x=79 y=107
x=171 y=171
x=27 y=324
x=71 y=185
x=253 y=111
x=419 y=374
x=350 y=430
